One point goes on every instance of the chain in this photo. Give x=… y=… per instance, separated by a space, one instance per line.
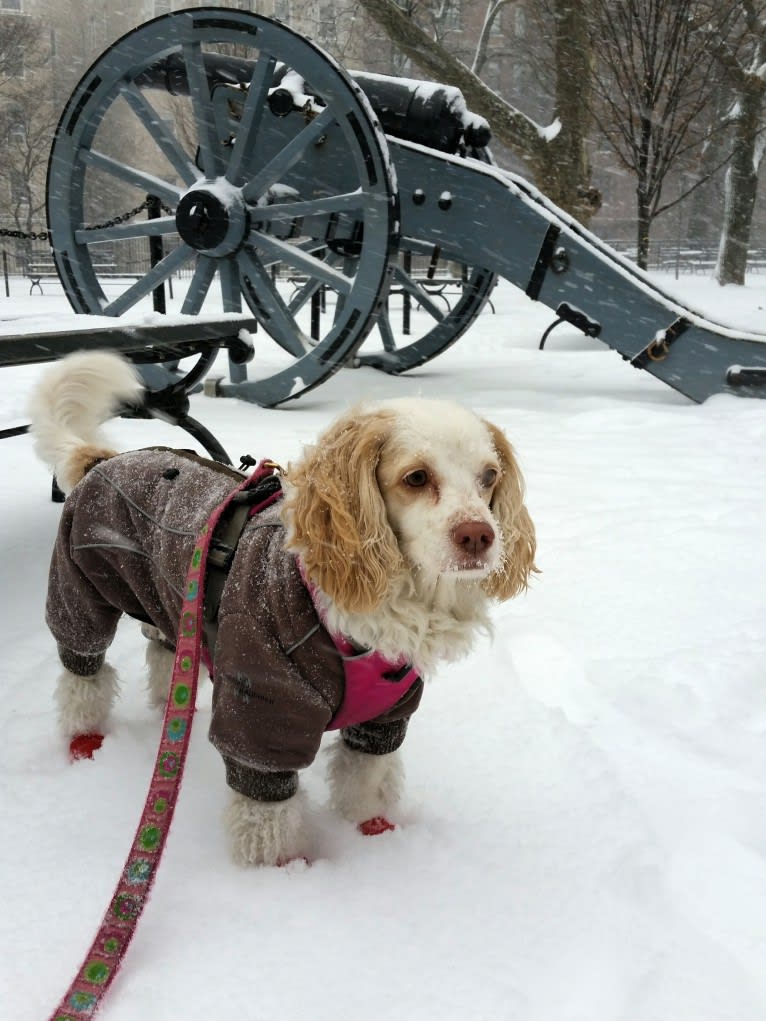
x=45 y=235
x=122 y=218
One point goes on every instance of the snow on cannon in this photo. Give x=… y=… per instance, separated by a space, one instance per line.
x=286 y=187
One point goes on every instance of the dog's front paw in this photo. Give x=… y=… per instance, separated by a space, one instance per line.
x=84 y=702
x=364 y=788
x=267 y=832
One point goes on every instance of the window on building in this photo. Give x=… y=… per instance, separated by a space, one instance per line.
x=20 y=193
x=17 y=133
x=99 y=31
x=327 y=20
x=451 y=19
x=13 y=64
x=10 y=5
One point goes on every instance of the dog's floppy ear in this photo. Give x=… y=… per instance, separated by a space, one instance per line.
x=336 y=518
x=507 y=505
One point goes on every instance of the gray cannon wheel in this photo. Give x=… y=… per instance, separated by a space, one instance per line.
x=437 y=318
x=266 y=171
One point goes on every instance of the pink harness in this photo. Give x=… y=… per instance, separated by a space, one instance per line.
x=373 y=685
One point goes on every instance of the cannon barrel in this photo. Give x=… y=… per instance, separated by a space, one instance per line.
x=170 y=75
x=428 y=113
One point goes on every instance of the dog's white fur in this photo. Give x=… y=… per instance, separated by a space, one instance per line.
x=408 y=517
x=71 y=401
x=267 y=833
x=364 y=786
x=159 y=667
x=84 y=703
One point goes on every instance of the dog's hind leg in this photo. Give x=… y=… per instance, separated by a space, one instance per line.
x=160 y=656
x=366 y=774
x=85 y=692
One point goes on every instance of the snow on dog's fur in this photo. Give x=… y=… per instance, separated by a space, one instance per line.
x=407 y=518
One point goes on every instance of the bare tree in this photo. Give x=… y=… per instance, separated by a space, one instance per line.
x=742 y=56
x=27 y=121
x=20 y=40
x=654 y=80
x=25 y=134
x=556 y=154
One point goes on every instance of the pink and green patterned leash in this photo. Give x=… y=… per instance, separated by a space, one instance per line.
x=106 y=954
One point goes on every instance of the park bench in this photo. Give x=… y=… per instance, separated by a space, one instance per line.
x=38 y=270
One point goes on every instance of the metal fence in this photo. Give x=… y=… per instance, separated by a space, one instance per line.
x=24 y=257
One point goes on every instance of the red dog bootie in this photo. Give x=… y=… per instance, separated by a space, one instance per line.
x=82 y=746
x=375 y=826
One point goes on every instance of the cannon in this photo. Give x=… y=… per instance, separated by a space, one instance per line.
x=300 y=196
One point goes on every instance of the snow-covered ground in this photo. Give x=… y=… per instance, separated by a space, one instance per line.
x=584 y=832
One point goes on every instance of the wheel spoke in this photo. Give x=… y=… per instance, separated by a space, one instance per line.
x=173 y=152
x=268 y=306
x=420 y=295
x=293 y=210
x=147 y=183
x=230 y=285
x=386 y=333
x=300 y=260
x=202 y=109
x=156 y=275
x=277 y=167
x=199 y=285
x=120 y=231
x=303 y=294
x=245 y=150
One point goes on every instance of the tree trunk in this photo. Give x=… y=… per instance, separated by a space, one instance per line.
x=643 y=226
x=741 y=190
x=565 y=177
x=644 y=211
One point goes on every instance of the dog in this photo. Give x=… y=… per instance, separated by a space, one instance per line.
x=395 y=533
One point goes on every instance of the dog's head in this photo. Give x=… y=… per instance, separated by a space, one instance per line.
x=409 y=485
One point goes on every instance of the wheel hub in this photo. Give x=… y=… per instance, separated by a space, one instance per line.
x=212 y=218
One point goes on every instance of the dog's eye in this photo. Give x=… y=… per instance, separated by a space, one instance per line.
x=417 y=479
x=488 y=478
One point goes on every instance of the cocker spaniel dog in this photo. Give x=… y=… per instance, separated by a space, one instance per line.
x=379 y=559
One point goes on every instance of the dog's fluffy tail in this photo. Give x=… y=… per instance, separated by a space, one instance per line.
x=69 y=404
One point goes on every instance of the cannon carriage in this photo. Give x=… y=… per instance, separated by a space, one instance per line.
x=300 y=197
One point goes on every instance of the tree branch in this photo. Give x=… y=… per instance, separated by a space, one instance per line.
x=510 y=126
